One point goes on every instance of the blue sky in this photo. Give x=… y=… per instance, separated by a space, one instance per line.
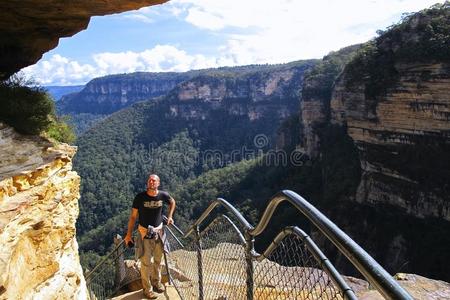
x=192 y=34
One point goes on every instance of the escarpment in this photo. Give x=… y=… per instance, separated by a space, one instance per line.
x=403 y=139
x=252 y=95
x=392 y=101
x=38 y=209
x=109 y=94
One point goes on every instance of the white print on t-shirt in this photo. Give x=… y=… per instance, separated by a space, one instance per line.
x=153 y=203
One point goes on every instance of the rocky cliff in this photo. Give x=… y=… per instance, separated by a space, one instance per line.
x=253 y=95
x=31 y=28
x=38 y=210
x=403 y=139
x=316 y=96
x=108 y=94
x=392 y=100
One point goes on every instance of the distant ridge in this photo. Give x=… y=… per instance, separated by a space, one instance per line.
x=57 y=92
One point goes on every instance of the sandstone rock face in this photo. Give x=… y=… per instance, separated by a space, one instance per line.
x=108 y=94
x=397 y=131
x=251 y=95
x=38 y=209
x=316 y=94
x=31 y=28
x=392 y=99
x=312 y=112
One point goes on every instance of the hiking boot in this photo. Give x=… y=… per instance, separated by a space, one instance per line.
x=150 y=295
x=159 y=288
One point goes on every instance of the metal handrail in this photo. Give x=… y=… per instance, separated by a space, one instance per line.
x=239 y=233
x=217 y=219
x=174 y=237
x=173 y=225
x=251 y=254
x=369 y=268
x=228 y=206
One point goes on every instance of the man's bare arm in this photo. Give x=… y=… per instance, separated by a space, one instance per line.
x=131 y=222
x=172 y=205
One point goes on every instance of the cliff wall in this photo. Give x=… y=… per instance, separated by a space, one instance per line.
x=403 y=139
x=391 y=102
x=38 y=209
x=109 y=94
x=254 y=95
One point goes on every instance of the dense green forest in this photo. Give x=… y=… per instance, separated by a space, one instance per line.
x=83 y=121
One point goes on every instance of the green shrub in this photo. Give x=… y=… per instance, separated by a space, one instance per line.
x=61 y=131
x=25 y=108
x=30 y=110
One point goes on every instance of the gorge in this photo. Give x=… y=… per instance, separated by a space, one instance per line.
x=372 y=121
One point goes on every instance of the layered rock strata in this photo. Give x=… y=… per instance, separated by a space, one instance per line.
x=252 y=96
x=38 y=210
x=403 y=138
x=105 y=95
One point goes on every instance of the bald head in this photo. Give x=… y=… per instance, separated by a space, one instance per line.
x=154 y=176
x=153 y=182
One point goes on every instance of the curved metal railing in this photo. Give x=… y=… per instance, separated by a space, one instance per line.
x=230 y=208
x=369 y=268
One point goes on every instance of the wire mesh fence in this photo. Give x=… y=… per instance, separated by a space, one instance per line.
x=183 y=265
x=224 y=265
x=287 y=270
x=291 y=271
x=215 y=272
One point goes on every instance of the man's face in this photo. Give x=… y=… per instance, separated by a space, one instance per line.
x=153 y=182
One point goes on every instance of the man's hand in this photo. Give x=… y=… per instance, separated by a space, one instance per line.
x=169 y=221
x=128 y=239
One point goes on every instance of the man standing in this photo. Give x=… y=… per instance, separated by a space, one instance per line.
x=148 y=207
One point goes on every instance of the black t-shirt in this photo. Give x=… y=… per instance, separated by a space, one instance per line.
x=150 y=208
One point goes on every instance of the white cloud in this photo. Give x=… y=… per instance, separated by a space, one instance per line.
x=59 y=70
x=287 y=30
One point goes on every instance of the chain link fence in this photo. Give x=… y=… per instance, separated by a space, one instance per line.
x=215 y=272
x=183 y=265
x=291 y=271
